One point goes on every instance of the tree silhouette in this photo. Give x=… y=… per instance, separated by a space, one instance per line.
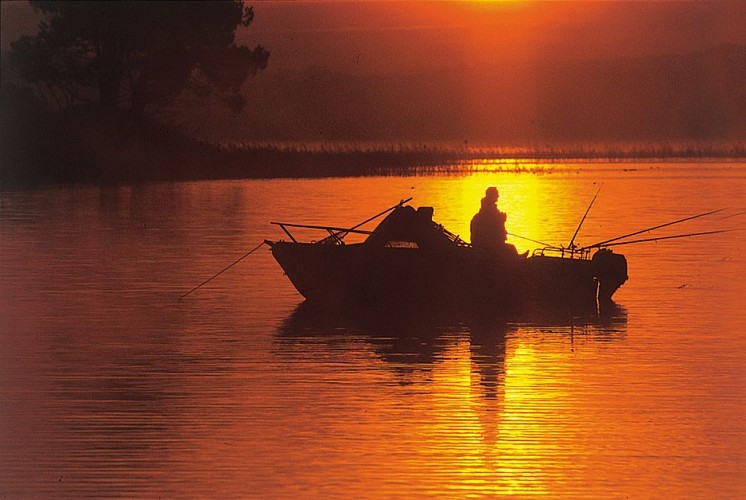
x=138 y=56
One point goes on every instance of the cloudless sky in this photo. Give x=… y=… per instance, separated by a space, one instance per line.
x=412 y=35
x=392 y=35
x=495 y=71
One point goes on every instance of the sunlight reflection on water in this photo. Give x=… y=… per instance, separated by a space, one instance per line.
x=111 y=386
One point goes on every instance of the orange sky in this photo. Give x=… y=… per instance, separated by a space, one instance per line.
x=501 y=72
x=395 y=35
x=409 y=35
x=511 y=72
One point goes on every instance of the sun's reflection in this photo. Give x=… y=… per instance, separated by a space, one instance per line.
x=501 y=440
x=526 y=443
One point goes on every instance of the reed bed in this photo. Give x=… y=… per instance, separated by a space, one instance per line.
x=77 y=149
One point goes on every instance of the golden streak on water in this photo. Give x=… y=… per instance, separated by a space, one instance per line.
x=505 y=445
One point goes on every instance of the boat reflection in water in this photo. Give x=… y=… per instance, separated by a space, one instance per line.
x=418 y=339
x=460 y=404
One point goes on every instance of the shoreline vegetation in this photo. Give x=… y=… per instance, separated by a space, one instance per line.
x=154 y=99
x=41 y=149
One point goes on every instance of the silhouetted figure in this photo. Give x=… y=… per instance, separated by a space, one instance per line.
x=488 y=231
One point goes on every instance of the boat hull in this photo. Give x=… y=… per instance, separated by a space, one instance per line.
x=363 y=274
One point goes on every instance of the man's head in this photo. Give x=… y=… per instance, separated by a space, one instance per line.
x=492 y=194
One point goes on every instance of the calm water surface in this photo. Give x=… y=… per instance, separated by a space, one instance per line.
x=110 y=386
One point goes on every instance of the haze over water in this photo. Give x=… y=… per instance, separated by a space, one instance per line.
x=112 y=386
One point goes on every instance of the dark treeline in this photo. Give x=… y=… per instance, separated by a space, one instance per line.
x=81 y=97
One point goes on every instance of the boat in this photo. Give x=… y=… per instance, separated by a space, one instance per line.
x=411 y=259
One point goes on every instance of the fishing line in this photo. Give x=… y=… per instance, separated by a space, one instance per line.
x=225 y=269
x=660 y=238
x=529 y=239
x=732 y=215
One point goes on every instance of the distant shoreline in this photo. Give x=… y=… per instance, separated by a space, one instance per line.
x=43 y=149
x=302 y=162
x=272 y=163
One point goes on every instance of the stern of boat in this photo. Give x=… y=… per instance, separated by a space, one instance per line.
x=610 y=270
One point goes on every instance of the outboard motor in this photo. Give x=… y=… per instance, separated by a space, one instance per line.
x=610 y=270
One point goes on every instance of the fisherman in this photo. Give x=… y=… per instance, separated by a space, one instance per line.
x=488 y=225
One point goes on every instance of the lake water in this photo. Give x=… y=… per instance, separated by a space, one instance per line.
x=111 y=386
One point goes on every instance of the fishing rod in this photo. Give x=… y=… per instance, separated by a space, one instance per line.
x=225 y=269
x=353 y=229
x=635 y=233
x=529 y=239
x=669 y=237
x=341 y=234
x=571 y=246
x=329 y=228
x=573 y=237
x=337 y=233
x=402 y=202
